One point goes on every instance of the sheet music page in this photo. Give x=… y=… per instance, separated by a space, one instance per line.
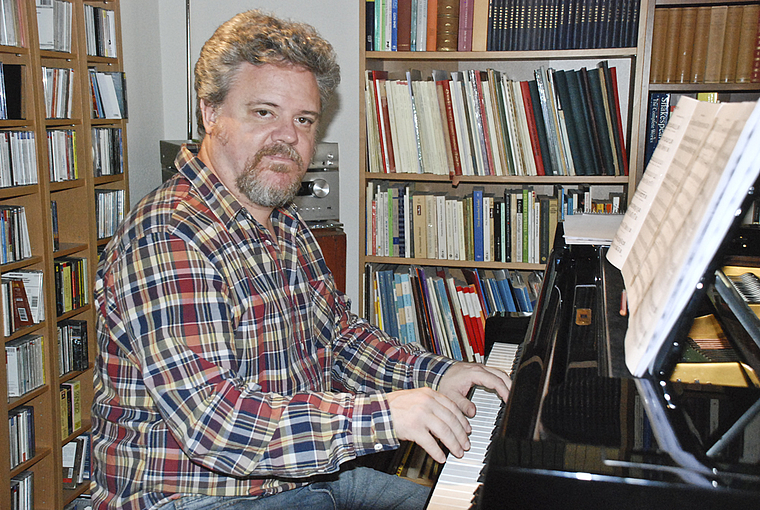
x=650 y=182
x=693 y=206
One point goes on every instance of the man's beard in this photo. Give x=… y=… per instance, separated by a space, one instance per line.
x=257 y=190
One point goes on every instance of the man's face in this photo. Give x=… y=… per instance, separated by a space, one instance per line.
x=262 y=137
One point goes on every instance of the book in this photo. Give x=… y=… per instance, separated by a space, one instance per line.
x=670 y=56
x=685 y=44
x=466 y=12
x=404 y=25
x=480 y=25
x=731 y=43
x=447 y=30
x=747 y=39
x=716 y=37
x=74 y=398
x=659 y=37
x=699 y=52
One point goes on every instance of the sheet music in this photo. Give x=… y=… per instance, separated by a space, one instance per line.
x=708 y=162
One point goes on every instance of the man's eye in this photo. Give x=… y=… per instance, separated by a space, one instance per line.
x=305 y=120
x=262 y=113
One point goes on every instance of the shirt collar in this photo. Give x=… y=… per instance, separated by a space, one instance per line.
x=216 y=195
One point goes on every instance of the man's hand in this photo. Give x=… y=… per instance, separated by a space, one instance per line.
x=423 y=415
x=460 y=377
x=426 y=416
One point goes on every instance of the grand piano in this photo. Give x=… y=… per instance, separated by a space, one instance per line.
x=580 y=432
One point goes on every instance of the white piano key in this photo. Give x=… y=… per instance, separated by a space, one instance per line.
x=458 y=480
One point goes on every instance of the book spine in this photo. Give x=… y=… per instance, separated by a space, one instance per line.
x=747 y=38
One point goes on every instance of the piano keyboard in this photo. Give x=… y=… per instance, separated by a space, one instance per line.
x=459 y=478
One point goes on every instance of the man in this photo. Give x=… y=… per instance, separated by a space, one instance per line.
x=230 y=371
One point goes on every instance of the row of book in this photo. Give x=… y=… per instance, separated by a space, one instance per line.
x=14 y=234
x=416 y=25
x=563 y=122
x=22 y=299
x=109 y=211
x=500 y=25
x=72 y=288
x=444 y=309
x=10 y=91
x=107 y=151
x=11 y=29
x=70 y=393
x=18 y=158
x=519 y=25
x=58 y=84
x=54 y=24
x=706 y=44
x=100 y=31
x=21 y=428
x=24 y=364
x=76 y=461
x=509 y=225
x=73 y=352
x=62 y=155
x=22 y=491
x=109 y=95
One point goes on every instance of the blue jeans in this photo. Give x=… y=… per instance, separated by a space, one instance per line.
x=360 y=488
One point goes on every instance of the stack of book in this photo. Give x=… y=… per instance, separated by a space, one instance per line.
x=76 y=461
x=14 y=234
x=21 y=427
x=62 y=155
x=109 y=211
x=73 y=353
x=22 y=491
x=58 y=84
x=71 y=284
x=109 y=95
x=54 y=24
x=11 y=31
x=22 y=299
x=107 y=151
x=706 y=44
x=100 y=31
x=511 y=225
x=24 y=364
x=18 y=158
x=562 y=122
x=444 y=309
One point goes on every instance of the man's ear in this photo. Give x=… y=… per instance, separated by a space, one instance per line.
x=209 y=115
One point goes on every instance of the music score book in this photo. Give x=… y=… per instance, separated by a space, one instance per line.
x=692 y=189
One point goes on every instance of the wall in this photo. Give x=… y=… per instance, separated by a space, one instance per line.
x=154 y=40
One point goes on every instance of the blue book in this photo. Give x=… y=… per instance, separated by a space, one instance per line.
x=505 y=290
x=477 y=222
x=448 y=318
x=390 y=317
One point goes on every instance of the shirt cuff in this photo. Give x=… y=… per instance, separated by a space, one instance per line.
x=372 y=427
x=428 y=370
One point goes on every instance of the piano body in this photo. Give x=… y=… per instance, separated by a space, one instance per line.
x=580 y=432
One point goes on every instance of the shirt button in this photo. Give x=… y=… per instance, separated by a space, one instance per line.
x=378 y=447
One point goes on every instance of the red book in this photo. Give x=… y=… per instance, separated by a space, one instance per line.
x=383 y=119
x=621 y=137
x=447 y=109
x=532 y=129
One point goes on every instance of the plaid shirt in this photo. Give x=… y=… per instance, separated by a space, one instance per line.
x=228 y=363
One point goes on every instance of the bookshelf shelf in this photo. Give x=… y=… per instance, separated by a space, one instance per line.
x=503 y=55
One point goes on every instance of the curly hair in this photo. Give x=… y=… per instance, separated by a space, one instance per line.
x=259 y=38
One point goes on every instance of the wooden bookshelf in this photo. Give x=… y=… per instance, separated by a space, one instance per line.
x=657 y=79
x=517 y=65
x=76 y=208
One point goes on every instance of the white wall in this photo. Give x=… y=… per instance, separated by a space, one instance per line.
x=154 y=44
